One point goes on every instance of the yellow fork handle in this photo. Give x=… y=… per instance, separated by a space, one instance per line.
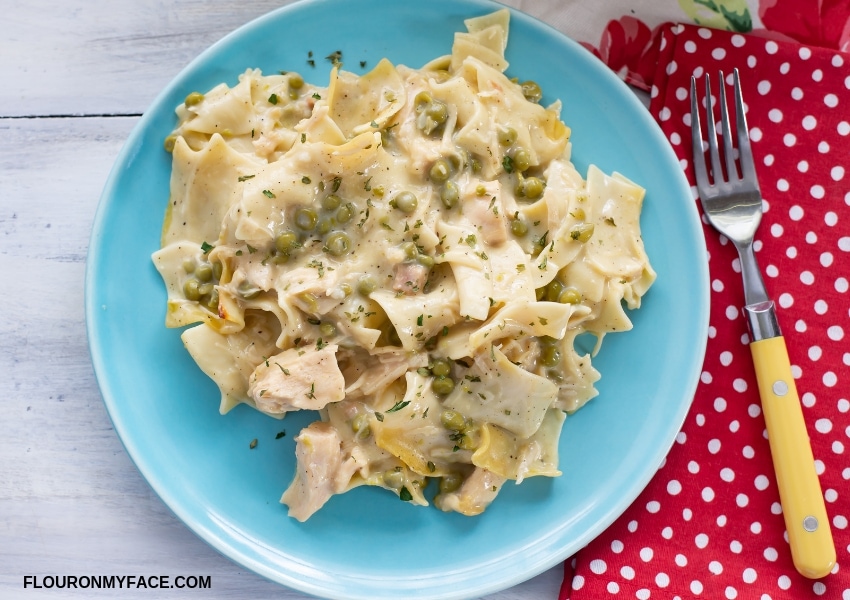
x=809 y=533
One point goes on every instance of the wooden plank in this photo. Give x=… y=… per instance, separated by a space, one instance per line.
x=71 y=501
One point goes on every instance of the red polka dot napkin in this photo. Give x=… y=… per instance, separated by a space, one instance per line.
x=709 y=525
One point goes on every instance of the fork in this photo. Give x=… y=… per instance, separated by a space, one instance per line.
x=733 y=205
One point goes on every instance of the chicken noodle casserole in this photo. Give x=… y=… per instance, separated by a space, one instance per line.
x=409 y=252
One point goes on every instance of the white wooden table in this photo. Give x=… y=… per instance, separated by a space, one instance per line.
x=76 y=77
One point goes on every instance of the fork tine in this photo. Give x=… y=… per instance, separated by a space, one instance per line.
x=711 y=134
x=696 y=140
x=728 y=152
x=748 y=168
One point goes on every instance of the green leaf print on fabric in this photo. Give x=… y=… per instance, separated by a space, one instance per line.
x=732 y=15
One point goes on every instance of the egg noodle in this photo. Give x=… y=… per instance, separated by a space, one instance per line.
x=409 y=252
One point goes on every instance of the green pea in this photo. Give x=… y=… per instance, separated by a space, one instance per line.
x=467 y=442
x=169 y=142
x=360 y=425
x=507 y=136
x=532 y=188
x=305 y=218
x=550 y=356
x=296 y=82
x=421 y=102
x=578 y=214
x=394 y=479
x=205 y=289
x=425 y=260
x=440 y=171
x=441 y=367
x=410 y=250
x=405 y=201
x=327 y=329
x=437 y=111
x=204 y=272
x=346 y=289
x=553 y=290
x=194 y=99
x=189 y=265
x=338 y=243
x=324 y=225
x=286 y=241
x=522 y=159
x=519 y=227
x=344 y=213
x=451 y=419
x=531 y=90
x=450 y=194
x=540 y=293
x=443 y=386
x=366 y=285
x=569 y=295
x=212 y=301
x=190 y=290
x=331 y=202
x=218 y=269
x=450 y=483
x=280 y=258
x=582 y=232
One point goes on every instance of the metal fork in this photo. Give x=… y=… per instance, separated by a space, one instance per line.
x=733 y=204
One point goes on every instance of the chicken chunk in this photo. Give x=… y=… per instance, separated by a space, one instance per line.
x=306 y=378
x=323 y=470
x=486 y=210
x=476 y=493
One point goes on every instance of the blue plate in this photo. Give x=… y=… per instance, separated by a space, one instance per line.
x=366 y=543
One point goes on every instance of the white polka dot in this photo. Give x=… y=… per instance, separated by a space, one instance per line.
x=807 y=277
x=751 y=61
x=633 y=525
x=823 y=147
x=831 y=100
x=674 y=487
x=789 y=139
x=706 y=377
x=671 y=67
x=718 y=53
x=791 y=252
x=717 y=285
x=817 y=191
x=693 y=467
x=837 y=173
x=690 y=47
x=782 y=185
x=755 y=527
x=808 y=399
x=837 y=61
x=742 y=500
x=701 y=541
x=771 y=47
x=844 y=406
x=809 y=122
x=830 y=379
x=815 y=353
x=755 y=134
x=800 y=325
x=730 y=592
x=627 y=572
x=617 y=546
x=727 y=474
x=830 y=218
x=835 y=333
x=768 y=160
x=775 y=115
x=786 y=300
x=731 y=312
x=841 y=285
x=578 y=582
x=811 y=237
x=725 y=360
x=653 y=506
x=681 y=560
x=817 y=75
x=667 y=533
x=837 y=447
x=803 y=166
x=642 y=594
x=796 y=212
x=704 y=33
x=662 y=580
x=735 y=546
x=739 y=385
x=721 y=520
x=714 y=446
x=771 y=554
x=805 y=53
x=696 y=587
x=749 y=575
x=844 y=244
x=784 y=582
x=771 y=271
x=826 y=259
x=707 y=494
x=687 y=514
x=797 y=93
x=681 y=437
x=821 y=307
x=598 y=566
x=784 y=68
x=646 y=554
x=819 y=467
x=613 y=587
x=734 y=426
x=840 y=521
x=754 y=410
x=776 y=230
x=843 y=128
x=675 y=138
x=748 y=452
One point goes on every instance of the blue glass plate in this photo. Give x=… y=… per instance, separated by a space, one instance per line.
x=366 y=543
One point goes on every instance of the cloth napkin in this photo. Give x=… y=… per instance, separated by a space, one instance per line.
x=709 y=525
